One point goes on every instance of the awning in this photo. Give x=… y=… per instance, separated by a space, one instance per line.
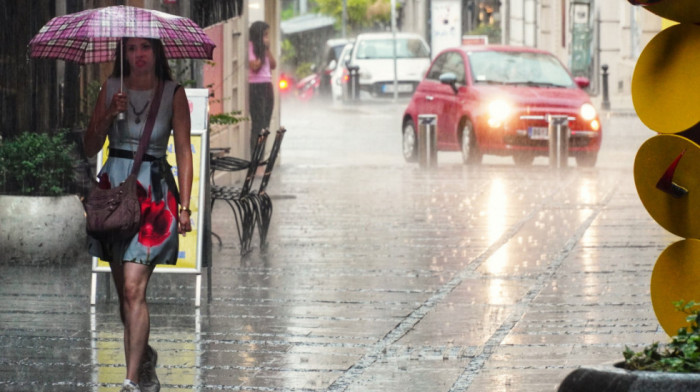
x=307 y=22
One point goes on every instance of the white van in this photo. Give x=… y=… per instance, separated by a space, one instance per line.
x=374 y=54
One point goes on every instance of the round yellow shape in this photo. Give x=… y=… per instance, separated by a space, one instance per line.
x=676 y=277
x=679 y=215
x=665 y=82
x=683 y=11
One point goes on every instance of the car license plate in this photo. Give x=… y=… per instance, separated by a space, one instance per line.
x=402 y=88
x=538 y=133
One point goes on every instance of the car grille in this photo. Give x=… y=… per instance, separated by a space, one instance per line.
x=580 y=136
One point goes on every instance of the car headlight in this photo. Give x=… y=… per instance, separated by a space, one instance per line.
x=498 y=110
x=588 y=112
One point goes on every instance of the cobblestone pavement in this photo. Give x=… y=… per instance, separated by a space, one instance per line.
x=379 y=276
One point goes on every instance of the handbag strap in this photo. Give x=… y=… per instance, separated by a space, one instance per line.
x=148 y=129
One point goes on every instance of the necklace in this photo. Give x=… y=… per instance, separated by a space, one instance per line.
x=138 y=113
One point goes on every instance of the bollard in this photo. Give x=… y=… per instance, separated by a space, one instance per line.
x=427 y=140
x=354 y=82
x=558 y=141
x=606 y=96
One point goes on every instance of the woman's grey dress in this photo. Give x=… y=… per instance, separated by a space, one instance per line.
x=157 y=239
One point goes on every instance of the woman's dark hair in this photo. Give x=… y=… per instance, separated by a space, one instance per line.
x=163 y=71
x=256 y=32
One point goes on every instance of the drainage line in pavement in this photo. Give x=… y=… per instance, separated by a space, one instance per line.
x=407 y=324
x=475 y=365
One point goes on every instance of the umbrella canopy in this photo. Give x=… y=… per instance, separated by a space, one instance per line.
x=91 y=36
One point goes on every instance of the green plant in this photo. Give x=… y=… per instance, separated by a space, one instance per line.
x=303 y=70
x=681 y=355
x=227 y=118
x=87 y=105
x=289 y=52
x=493 y=31
x=36 y=164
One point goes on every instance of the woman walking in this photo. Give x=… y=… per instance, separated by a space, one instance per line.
x=132 y=261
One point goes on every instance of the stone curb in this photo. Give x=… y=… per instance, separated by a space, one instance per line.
x=613 y=379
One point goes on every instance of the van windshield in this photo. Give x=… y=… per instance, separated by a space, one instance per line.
x=406 y=48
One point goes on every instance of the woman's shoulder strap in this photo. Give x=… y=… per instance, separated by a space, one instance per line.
x=169 y=87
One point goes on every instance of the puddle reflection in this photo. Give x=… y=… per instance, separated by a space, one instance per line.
x=182 y=369
x=498 y=204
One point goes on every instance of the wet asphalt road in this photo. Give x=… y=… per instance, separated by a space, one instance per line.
x=379 y=276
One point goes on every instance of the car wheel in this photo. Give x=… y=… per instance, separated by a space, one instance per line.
x=523 y=159
x=470 y=151
x=410 y=145
x=586 y=160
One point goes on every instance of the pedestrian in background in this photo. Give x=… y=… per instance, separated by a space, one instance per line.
x=132 y=261
x=261 y=64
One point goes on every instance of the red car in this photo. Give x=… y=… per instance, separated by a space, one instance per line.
x=497 y=100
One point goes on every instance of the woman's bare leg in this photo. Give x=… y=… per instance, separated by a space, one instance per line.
x=132 y=280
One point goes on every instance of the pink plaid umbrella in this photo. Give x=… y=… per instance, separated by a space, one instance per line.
x=91 y=36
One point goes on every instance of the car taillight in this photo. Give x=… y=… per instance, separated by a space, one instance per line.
x=284 y=84
x=345 y=77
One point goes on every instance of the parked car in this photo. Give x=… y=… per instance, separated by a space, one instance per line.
x=497 y=99
x=373 y=53
x=331 y=54
x=340 y=75
x=307 y=87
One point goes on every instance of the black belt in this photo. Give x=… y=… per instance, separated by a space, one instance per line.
x=159 y=170
x=118 y=153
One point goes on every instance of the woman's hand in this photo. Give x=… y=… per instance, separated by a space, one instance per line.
x=184 y=222
x=118 y=104
x=255 y=65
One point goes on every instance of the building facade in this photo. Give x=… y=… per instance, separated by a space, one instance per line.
x=583 y=34
x=586 y=35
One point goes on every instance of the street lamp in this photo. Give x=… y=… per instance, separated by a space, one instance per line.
x=393 y=31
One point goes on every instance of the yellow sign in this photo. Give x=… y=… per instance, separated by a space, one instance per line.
x=179 y=354
x=676 y=277
x=683 y=11
x=664 y=167
x=187 y=255
x=191 y=252
x=665 y=80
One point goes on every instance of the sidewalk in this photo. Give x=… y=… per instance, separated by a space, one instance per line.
x=377 y=278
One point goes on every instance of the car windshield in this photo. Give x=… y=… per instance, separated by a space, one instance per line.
x=524 y=68
x=383 y=48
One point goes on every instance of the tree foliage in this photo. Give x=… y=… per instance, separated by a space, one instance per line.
x=362 y=14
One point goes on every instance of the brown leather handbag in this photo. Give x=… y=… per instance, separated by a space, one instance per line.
x=115 y=214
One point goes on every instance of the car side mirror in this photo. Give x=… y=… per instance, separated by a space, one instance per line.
x=451 y=79
x=582 y=81
x=331 y=66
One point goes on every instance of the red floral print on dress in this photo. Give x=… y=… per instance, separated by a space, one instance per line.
x=156 y=220
x=103 y=181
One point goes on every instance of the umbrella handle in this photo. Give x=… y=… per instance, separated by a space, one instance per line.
x=121 y=116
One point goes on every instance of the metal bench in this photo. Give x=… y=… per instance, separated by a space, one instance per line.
x=239 y=197
x=262 y=202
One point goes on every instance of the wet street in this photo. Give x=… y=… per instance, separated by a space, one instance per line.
x=379 y=276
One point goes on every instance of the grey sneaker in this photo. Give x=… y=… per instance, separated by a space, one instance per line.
x=148 y=380
x=129 y=388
